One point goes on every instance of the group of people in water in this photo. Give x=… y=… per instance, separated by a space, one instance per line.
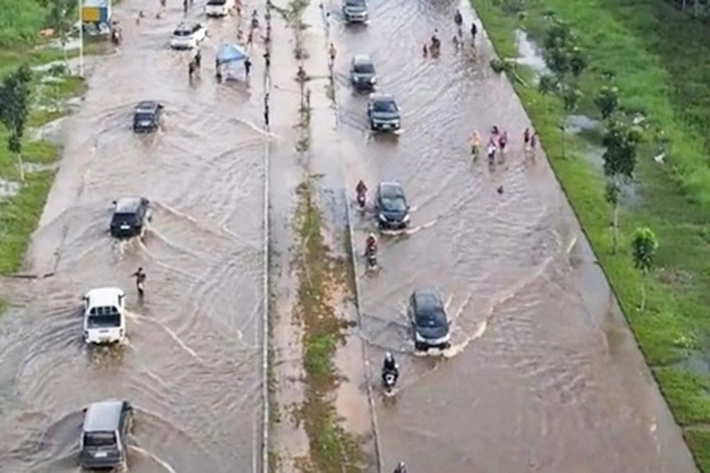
x=433 y=48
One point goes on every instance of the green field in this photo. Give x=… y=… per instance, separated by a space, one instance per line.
x=663 y=72
x=20 y=22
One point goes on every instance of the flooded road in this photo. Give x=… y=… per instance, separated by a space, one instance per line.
x=543 y=375
x=192 y=365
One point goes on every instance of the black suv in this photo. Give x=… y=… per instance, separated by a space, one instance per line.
x=130 y=215
x=104 y=434
x=362 y=72
x=429 y=321
x=383 y=112
x=146 y=117
x=391 y=206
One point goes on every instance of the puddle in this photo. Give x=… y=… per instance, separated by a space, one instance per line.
x=9 y=188
x=698 y=363
x=50 y=132
x=530 y=54
x=577 y=124
x=39 y=167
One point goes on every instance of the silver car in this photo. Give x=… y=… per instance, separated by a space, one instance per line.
x=362 y=72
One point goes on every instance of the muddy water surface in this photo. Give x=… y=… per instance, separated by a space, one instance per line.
x=543 y=374
x=192 y=364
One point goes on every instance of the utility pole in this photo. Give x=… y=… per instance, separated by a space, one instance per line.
x=81 y=39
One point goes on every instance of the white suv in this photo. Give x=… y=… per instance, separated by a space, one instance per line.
x=188 y=35
x=104 y=316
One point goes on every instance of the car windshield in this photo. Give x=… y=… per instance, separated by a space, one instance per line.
x=104 y=321
x=182 y=32
x=394 y=203
x=364 y=68
x=124 y=218
x=99 y=439
x=143 y=116
x=217 y=2
x=385 y=106
x=355 y=3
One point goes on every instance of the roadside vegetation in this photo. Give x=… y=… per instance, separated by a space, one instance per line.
x=26 y=165
x=640 y=69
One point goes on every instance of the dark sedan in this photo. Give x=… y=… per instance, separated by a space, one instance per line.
x=391 y=206
x=430 y=324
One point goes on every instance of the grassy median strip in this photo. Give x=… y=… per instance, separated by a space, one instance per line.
x=657 y=55
x=321 y=285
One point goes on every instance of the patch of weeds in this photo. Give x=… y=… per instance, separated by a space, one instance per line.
x=699 y=442
x=687 y=394
x=274 y=462
x=332 y=450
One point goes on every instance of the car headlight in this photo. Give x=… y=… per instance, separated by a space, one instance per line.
x=406 y=218
x=373 y=80
x=382 y=217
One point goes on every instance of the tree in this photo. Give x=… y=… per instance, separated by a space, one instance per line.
x=62 y=15
x=621 y=143
x=571 y=97
x=14 y=101
x=607 y=101
x=643 y=251
x=548 y=84
x=612 y=194
x=578 y=61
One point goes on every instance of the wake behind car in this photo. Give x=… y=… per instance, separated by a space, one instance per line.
x=391 y=206
x=362 y=72
x=355 y=11
x=218 y=8
x=103 y=443
x=430 y=324
x=130 y=216
x=146 y=116
x=188 y=35
x=104 y=316
x=383 y=112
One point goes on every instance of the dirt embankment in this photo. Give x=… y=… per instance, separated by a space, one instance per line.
x=321 y=414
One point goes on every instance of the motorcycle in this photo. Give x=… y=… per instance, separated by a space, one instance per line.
x=371 y=255
x=361 y=200
x=389 y=379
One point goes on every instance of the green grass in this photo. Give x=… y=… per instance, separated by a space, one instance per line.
x=662 y=71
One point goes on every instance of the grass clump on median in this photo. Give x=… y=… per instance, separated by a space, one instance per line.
x=332 y=450
x=656 y=56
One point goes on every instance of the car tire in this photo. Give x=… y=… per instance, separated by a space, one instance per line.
x=419 y=346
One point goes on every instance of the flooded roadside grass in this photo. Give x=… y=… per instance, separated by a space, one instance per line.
x=658 y=56
x=21 y=203
x=321 y=282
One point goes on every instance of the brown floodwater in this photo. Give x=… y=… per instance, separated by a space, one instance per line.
x=192 y=365
x=543 y=374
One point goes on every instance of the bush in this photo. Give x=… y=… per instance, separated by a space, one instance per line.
x=20 y=21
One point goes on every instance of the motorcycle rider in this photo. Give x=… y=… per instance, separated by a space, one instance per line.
x=360 y=190
x=140 y=279
x=371 y=244
x=390 y=366
x=401 y=468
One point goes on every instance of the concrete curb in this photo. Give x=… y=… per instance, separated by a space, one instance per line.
x=266 y=319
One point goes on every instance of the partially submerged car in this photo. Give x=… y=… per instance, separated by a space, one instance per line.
x=130 y=217
x=355 y=11
x=104 y=316
x=188 y=35
x=362 y=72
x=391 y=206
x=103 y=443
x=430 y=323
x=383 y=112
x=146 y=116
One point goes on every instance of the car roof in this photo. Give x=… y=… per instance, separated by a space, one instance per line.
x=103 y=296
x=147 y=105
x=362 y=59
x=103 y=416
x=128 y=204
x=427 y=300
x=381 y=97
x=390 y=188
